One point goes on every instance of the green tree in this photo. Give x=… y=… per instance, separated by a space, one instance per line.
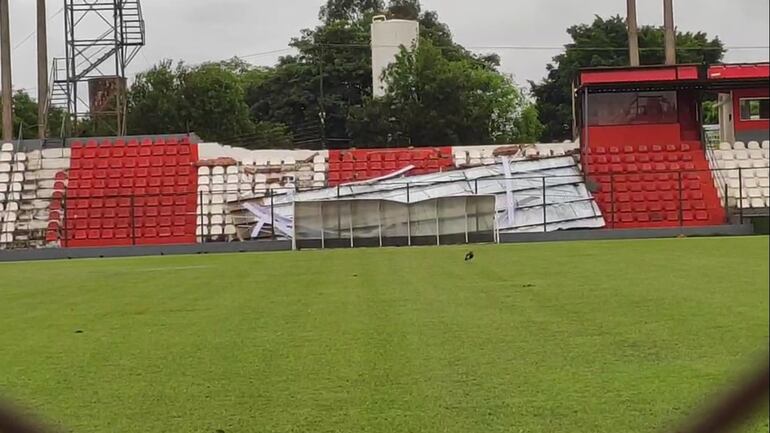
x=208 y=99
x=327 y=85
x=605 y=43
x=434 y=100
x=349 y=10
x=155 y=102
x=25 y=119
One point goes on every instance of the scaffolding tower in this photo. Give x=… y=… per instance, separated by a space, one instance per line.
x=102 y=37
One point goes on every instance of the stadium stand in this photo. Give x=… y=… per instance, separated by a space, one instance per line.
x=127 y=192
x=654 y=186
x=365 y=164
x=743 y=170
x=12 y=170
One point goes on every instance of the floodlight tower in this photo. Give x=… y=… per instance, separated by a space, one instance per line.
x=101 y=37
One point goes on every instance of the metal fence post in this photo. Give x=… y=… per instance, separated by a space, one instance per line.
x=681 y=200
x=408 y=193
x=476 y=186
x=612 y=199
x=63 y=202
x=272 y=215
x=199 y=216
x=545 y=209
x=727 y=204
x=133 y=222
x=740 y=192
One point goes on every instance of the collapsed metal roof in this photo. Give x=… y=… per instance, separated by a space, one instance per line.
x=520 y=187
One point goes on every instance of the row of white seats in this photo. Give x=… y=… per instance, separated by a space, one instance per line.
x=739 y=145
x=486 y=156
x=742 y=155
x=12 y=169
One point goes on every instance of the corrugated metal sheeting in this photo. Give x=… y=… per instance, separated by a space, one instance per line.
x=520 y=187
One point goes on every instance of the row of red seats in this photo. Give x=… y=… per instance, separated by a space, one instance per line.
x=186 y=191
x=130 y=201
x=641 y=168
x=631 y=158
x=432 y=164
x=127 y=173
x=144 y=235
x=130 y=152
x=118 y=222
x=665 y=219
x=130 y=162
x=651 y=206
x=647 y=177
x=129 y=182
x=649 y=196
x=691 y=185
x=361 y=165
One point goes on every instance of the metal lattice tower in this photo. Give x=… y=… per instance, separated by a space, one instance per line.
x=102 y=37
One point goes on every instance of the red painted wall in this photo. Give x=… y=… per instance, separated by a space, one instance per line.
x=748 y=125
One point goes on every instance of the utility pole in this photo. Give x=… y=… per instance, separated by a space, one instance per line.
x=668 y=24
x=633 y=33
x=42 y=70
x=5 y=66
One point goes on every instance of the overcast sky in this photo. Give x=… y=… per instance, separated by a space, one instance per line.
x=200 y=30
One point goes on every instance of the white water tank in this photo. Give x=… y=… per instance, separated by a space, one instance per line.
x=388 y=36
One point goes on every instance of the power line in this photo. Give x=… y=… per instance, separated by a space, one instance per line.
x=510 y=48
x=34 y=32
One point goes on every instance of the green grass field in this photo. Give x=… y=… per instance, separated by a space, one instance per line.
x=616 y=337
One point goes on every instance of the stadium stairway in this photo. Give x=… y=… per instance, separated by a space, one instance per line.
x=126 y=192
x=643 y=182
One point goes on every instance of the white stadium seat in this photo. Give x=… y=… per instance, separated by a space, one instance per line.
x=218 y=170
x=725 y=146
x=233 y=169
x=753 y=145
x=204 y=171
x=6 y=147
x=739 y=145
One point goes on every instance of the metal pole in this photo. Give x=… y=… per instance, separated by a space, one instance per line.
x=42 y=70
x=352 y=243
x=200 y=216
x=612 y=199
x=727 y=204
x=545 y=210
x=681 y=201
x=323 y=237
x=633 y=36
x=133 y=223
x=64 y=219
x=438 y=226
x=476 y=186
x=740 y=192
x=408 y=223
x=467 y=238
x=321 y=101
x=379 y=220
x=272 y=215
x=5 y=68
x=668 y=24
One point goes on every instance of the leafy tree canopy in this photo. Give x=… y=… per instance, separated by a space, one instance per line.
x=604 y=42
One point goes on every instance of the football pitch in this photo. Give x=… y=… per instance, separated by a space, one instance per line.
x=618 y=336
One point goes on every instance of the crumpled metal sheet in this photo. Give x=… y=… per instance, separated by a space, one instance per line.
x=568 y=203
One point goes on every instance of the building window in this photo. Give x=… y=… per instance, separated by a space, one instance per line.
x=632 y=108
x=755 y=108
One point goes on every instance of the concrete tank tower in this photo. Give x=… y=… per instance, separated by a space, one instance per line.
x=388 y=36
